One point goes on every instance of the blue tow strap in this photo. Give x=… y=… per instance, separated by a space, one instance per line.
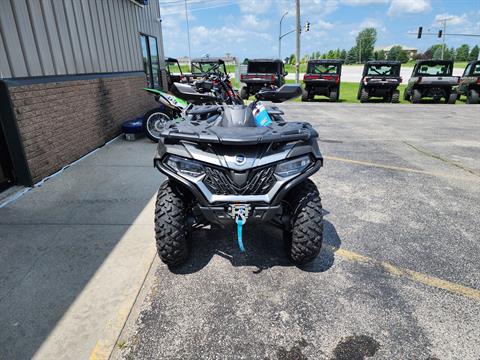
x=240 y=222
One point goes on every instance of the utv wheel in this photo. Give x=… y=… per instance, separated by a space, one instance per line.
x=396 y=97
x=304 y=240
x=406 y=95
x=473 y=97
x=333 y=96
x=364 y=96
x=305 y=95
x=171 y=230
x=244 y=93
x=417 y=96
x=451 y=98
x=154 y=122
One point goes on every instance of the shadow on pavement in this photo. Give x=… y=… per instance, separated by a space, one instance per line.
x=264 y=249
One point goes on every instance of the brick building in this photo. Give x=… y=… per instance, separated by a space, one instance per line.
x=70 y=73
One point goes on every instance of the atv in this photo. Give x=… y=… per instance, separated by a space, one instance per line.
x=432 y=78
x=201 y=66
x=262 y=73
x=470 y=83
x=322 y=78
x=226 y=166
x=380 y=79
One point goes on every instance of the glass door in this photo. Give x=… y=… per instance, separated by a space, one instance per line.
x=151 y=63
x=6 y=174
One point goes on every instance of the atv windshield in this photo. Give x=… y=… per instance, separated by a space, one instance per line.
x=173 y=67
x=262 y=67
x=432 y=69
x=322 y=68
x=205 y=67
x=383 y=70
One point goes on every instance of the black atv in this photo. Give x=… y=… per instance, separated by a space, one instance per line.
x=224 y=169
x=380 y=79
x=432 y=78
x=202 y=66
x=470 y=83
x=322 y=78
x=174 y=72
x=262 y=73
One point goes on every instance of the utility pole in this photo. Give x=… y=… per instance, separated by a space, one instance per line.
x=280 y=37
x=297 y=65
x=360 y=49
x=444 y=32
x=188 y=35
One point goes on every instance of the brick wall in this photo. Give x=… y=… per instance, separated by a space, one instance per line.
x=59 y=122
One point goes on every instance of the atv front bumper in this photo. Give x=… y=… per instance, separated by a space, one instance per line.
x=220 y=214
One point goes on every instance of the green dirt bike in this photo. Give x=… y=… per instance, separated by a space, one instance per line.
x=171 y=108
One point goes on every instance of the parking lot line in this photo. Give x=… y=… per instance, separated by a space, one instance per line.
x=388 y=167
x=409 y=274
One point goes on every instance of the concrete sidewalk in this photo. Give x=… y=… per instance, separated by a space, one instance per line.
x=74 y=254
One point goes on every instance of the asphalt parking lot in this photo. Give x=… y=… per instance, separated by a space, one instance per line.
x=397 y=278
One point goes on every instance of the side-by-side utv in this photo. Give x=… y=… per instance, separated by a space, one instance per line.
x=380 y=79
x=322 y=78
x=262 y=73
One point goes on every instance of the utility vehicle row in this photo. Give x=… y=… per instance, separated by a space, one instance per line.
x=380 y=79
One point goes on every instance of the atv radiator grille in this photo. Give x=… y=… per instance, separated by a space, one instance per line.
x=259 y=182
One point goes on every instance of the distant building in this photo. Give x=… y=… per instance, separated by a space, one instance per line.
x=70 y=73
x=410 y=51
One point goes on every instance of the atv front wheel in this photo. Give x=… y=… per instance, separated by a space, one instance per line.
x=364 y=96
x=244 y=93
x=154 y=122
x=395 y=97
x=473 y=97
x=304 y=239
x=171 y=230
x=417 y=96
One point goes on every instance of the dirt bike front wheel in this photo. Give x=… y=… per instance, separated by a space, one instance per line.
x=153 y=124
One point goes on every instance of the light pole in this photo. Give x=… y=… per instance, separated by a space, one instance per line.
x=188 y=35
x=297 y=65
x=280 y=37
x=444 y=21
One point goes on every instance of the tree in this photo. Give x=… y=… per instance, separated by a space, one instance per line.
x=293 y=59
x=437 y=54
x=352 y=56
x=245 y=61
x=461 y=54
x=398 y=54
x=366 y=42
x=343 y=54
x=473 y=53
x=429 y=54
x=379 y=55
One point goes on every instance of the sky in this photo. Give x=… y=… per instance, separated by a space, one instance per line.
x=250 y=28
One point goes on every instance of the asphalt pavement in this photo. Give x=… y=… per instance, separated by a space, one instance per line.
x=397 y=278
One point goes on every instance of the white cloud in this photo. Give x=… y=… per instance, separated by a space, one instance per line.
x=452 y=19
x=250 y=21
x=254 y=6
x=322 y=25
x=363 y=2
x=401 y=7
x=368 y=23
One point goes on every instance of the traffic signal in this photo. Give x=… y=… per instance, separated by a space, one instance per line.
x=419 y=35
x=440 y=33
x=307 y=26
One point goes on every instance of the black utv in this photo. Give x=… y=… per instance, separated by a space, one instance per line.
x=262 y=73
x=380 y=79
x=433 y=79
x=201 y=66
x=322 y=78
x=470 y=83
x=174 y=72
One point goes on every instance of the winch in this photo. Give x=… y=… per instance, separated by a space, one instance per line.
x=240 y=213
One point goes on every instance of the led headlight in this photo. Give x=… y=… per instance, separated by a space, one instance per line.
x=185 y=166
x=293 y=167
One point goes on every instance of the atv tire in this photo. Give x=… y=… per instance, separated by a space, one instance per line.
x=417 y=96
x=406 y=95
x=473 y=97
x=451 y=98
x=244 y=93
x=171 y=230
x=305 y=95
x=333 y=96
x=304 y=239
x=364 y=96
x=395 y=97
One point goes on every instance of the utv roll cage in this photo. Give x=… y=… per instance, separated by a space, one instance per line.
x=447 y=63
x=394 y=64
x=200 y=66
x=326 y=62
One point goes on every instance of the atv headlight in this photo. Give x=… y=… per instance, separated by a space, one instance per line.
x=185 y=166
x=293 y=167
